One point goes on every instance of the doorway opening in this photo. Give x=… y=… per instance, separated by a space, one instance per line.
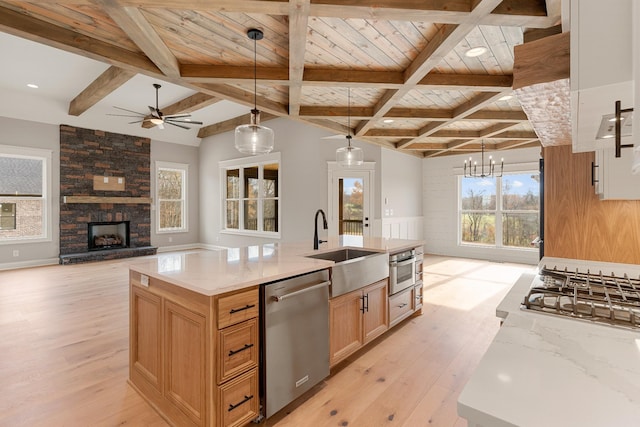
x=350 y=199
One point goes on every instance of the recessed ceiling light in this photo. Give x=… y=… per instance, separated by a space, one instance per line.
x=387 y=121
x=476 y=51
x=505 y=98
x=32 y=86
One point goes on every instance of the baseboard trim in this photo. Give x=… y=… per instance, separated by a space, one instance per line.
x=29 y=264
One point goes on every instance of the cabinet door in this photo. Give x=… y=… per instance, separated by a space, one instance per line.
x=145 y=338
x=184 y=364
x=345 y=325
x=617 y=180
x=237 y=349
x=238 y=400
x=375 y=317
x=401 y=305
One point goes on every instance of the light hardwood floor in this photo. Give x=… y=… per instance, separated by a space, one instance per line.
x=64 y=352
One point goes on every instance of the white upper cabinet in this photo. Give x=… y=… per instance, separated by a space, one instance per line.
x=602 y=71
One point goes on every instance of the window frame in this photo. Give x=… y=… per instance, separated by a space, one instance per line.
x=45 y=156
x=241 y=164
x=498 y=212
x=183 y=168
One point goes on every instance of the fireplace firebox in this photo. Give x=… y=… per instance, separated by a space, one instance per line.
x=108 y=235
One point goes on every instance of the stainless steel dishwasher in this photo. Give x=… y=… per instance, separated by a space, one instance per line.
x=294 y=338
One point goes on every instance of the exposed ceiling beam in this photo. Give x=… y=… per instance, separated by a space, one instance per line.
x=475 y=82
x=198 y=73
x=187 y=105
x=134 y=24
x=107 y=82
x=231 y=124
x=362 y=113
x=298 y=23
x=52 y=35
x=444 y=41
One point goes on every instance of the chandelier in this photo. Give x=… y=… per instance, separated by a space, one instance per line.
x=471 y=169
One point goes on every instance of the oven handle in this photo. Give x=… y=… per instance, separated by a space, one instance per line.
x=279 y=298
x=401 y=263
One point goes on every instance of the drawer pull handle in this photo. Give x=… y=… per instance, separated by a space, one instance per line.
x=402 y=305
x=237 y=310
x=246 y=399
x=246 y=347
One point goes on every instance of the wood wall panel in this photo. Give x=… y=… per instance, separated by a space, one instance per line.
x=577 y=223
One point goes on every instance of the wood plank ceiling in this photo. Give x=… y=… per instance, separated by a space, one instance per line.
x=412 y=86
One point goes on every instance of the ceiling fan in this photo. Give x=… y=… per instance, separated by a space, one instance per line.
x=156 y=117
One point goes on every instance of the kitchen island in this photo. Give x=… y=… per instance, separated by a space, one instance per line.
x=194 y=325
x=543 y=370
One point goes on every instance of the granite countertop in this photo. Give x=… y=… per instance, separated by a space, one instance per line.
x=213 y=272
x=544 y=370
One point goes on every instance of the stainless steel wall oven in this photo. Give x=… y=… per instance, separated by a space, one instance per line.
x=402 y=271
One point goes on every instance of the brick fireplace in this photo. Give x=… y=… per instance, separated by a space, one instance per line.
x=87 y=158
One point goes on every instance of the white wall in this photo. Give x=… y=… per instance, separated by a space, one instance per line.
x=24 y=133
x=401 y=196
x=304 y=180
x=440 y=208
x=168 y=152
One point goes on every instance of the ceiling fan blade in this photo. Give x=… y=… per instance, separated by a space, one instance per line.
x=175 y=124
x=177 y=116
x=122 y=115
x=131 y=111
x=137 y=121
x=193 y=122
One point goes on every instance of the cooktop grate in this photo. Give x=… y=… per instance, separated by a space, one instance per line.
x=608 y=299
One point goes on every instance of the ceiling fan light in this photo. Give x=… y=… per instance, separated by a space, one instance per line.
x=156 y=121
x=254 y=138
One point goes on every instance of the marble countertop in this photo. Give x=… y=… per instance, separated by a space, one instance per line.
x=213 y=272
x=544 y=370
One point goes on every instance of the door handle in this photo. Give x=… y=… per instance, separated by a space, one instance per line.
x=279 y=298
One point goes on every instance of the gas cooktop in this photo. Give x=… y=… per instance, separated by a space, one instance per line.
x=612 y=299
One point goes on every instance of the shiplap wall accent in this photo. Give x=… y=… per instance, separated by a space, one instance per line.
x=403 y=228
x=440 y=208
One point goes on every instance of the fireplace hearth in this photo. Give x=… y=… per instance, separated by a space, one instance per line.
x=108 y=235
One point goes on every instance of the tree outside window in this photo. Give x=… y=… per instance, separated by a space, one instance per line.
x=171 y=191
x=501 y=211
x=251 y=195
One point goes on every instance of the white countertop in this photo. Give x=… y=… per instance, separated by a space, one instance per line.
x=544 y=370
x=219 y=271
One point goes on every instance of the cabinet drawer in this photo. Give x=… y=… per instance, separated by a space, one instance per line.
x=418 y=295
x=237 y=308
x=400 y=305
x=238 y=400
x=238 y=349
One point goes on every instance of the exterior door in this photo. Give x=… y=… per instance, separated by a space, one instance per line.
x=350 y=203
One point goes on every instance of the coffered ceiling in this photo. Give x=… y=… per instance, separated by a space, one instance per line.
x=412 y=87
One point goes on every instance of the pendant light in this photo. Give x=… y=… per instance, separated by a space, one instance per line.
x=349 y=156
x=254 y=138
x=472 y=171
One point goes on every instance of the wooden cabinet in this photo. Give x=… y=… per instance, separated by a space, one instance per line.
x=401 y=306
x=194 y=357
x=357 y=318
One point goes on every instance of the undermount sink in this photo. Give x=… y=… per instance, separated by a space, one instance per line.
x=354 y=268
x=342 y=255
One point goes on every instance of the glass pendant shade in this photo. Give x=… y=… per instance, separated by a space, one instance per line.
x=349 y=155
x=253 y=138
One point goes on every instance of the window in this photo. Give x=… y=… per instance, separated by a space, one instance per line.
x=171 y=189
x=501 y=212
x=24 y=194
x=251 y=195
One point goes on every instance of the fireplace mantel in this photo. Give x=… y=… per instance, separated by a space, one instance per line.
x=114 y=200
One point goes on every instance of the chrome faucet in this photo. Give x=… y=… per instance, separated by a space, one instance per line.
x=324 y=225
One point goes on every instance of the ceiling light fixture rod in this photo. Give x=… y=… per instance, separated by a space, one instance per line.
x=472 y=170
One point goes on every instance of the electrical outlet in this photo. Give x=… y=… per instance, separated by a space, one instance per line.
x=16 y=252
x=170 y=239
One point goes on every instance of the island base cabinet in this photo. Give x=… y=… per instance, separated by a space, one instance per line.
x=355 y=319
x=239 y=400
x=192 y=372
